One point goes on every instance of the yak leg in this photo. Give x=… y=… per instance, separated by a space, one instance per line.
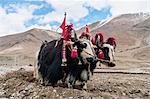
x=89 y=72
x=71 y=80
x=84 y=75
x=98 y=64
x=40 y=78
x=65 y=73
x=84 y=78
x=36 y=74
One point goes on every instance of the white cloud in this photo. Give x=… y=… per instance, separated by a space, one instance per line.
x=128 y=6
x=15 y=22
x=11 y=22
x=76 y=9
x=96 y=4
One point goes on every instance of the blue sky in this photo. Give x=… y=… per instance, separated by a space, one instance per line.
x=20 y=15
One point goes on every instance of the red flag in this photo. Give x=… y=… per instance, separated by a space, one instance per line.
x=86 y=29
x=63 y=26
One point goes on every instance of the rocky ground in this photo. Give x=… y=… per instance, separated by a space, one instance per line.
x=129 y=79
x=20 y=84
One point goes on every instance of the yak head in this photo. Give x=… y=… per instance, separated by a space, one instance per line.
x=85 y=50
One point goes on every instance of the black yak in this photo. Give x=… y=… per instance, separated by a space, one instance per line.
x=49 y=66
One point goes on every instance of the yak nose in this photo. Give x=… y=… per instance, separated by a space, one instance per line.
x=90 y=59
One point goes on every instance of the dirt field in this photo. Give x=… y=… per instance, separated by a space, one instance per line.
x=21 y=85
x=129 y=79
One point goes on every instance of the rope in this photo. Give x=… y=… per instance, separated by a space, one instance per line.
x=122 y=72
x=88 y=53
x=102 y=60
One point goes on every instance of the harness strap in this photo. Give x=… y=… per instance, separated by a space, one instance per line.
x=91 y=47
x=88 y=53
x=56 y=43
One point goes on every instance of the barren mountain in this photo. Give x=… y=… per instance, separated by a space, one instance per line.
x=132 y=33
x=26 y=43
x=122 y=28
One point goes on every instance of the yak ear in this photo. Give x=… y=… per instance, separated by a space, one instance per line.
x=76 y=43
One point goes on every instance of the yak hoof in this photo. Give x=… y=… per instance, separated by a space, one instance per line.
x=46 y=82
x=70 y=86
x=85 y=86
x=41 y=81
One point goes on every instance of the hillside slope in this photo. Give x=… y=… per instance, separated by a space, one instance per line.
x=25 y=43
x=132 y=32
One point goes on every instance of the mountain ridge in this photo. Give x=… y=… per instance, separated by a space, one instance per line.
x=131 y=31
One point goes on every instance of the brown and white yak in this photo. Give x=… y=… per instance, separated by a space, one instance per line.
x=105 y=50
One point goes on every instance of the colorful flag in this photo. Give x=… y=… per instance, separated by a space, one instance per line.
x=63 y=26
x=86 y=29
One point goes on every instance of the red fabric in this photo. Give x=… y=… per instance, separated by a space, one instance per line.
x=101 y=55
x=113 y=38
x=68 y=29
x=111 y=41
x=74 y=53
x=93 y=41
x=63 y=27
x=84 y=34
x=86 y=29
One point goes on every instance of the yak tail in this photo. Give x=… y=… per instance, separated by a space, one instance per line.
x=37 y=57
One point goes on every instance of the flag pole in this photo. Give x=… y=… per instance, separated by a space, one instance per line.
x=65 y=18
x=65 y=14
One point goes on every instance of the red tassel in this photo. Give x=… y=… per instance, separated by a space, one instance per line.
x=101 y=55
x=93 y=41
x=86 y=29
x=74 y=53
